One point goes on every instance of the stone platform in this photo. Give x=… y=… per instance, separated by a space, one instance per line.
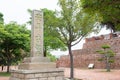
x=37 y=68
x=36 y=63
x=43 y=74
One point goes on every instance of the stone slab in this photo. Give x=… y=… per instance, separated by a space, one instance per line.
x=35 y=59
x=37 y=66
x=37 y=71
x=43 y=74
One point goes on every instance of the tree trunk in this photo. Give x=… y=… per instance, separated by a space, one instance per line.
x=45 y=52
x=108 y=65
x=8 y=65
x=2 y=68
x=71 y=64
x=8 y=68
x=111 y=26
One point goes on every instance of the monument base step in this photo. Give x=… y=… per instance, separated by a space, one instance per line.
x=36 y=66
x=35 y=59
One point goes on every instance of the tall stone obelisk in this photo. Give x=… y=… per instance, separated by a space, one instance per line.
x=37 y=34
x=36 y=59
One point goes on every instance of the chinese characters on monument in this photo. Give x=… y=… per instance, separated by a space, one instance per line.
x=37 y=34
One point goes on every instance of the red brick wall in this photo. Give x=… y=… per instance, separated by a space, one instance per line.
x=83 y=57
x=114 y=43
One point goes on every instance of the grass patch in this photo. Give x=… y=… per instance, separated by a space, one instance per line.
x=4 y=74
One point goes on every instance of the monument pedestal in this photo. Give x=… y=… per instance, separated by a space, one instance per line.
x=37 y=68
x=43 y=74
x=36 y=63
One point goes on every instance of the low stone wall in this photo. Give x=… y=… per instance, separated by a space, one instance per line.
x=51 y=74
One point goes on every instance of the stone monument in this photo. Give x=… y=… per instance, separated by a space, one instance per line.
x=36 y=59
x=37 y=67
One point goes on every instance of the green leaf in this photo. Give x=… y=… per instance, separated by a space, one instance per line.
x=105 y=46
x=100 y=59
x=111 y=61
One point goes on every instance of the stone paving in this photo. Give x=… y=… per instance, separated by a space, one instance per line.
x=89 y=74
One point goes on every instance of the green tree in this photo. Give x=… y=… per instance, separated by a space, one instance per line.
x=72 y=25
x=106 y=11
x=51 y=57
x=14 y=43
x=50 y=42
x=107 y=56
x=2 y=33
x=1 y=18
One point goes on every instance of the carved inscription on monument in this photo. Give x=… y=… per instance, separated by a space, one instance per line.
x=37 y=34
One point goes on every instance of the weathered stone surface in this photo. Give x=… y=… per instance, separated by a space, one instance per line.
x=37 y=66
x=59 y=78
x=54 y=70
x=44 y=74
x=39 y=75
x=37 y=34
x=51 y=78
x=43 y=79
x=13 y=78
x=36 y=59
x=22 y=76
x=29 y=76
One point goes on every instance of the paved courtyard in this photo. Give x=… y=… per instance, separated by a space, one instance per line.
x=89 y=74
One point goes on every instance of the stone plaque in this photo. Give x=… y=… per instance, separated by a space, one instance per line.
x=37 y=34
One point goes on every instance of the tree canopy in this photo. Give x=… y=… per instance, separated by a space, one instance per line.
x=107 y=55
x=50 y=41
x=106 y=11
x=1 y=18
x=14 y=43
x=72 y=25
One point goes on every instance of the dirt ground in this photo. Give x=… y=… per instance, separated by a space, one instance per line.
x=94 y=74
x=4 y=78
x=89 y=74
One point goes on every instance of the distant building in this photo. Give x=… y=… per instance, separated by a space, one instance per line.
x=87 y=55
